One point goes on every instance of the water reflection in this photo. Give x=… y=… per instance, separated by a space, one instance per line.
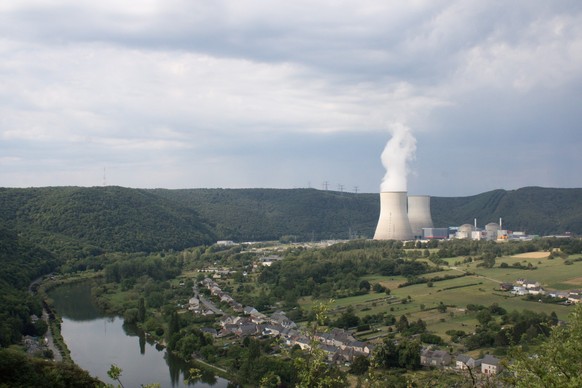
x=96 y=342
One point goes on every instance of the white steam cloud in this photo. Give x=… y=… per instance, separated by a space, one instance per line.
x=399 y=150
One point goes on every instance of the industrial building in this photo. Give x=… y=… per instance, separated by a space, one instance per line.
x=403 y=217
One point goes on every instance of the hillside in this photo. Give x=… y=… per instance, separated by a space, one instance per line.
x=90 y=220
x=536 y=210
x=268 y=214
x=101 y=218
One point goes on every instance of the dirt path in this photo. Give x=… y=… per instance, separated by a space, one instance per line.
x=477 y=275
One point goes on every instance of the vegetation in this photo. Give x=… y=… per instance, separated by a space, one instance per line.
x=82 y=222
x=145 y=249
x=21 y=262
x=556 y=363
x=18 y=370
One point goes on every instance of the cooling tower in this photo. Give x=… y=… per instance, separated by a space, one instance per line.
x=419 y=214
x=393 y=223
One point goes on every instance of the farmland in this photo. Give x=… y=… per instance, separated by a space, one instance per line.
x=480 y=286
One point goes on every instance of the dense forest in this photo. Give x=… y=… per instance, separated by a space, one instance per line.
x=87 y=221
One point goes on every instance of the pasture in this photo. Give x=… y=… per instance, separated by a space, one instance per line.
x=480 y=286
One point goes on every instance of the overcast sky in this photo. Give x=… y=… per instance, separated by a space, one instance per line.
x=286 y=94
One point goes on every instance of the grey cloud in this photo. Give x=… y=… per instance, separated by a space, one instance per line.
x=188 y=83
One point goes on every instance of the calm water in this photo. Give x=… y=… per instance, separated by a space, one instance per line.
x=97 y=341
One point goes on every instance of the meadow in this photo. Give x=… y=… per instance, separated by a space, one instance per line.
x=480 y=286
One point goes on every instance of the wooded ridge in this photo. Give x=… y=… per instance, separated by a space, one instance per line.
x=113 y=218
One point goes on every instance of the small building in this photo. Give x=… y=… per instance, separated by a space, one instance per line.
x=435 y=233
x=490 y=365
x=506 y=286
x=464 y=362
x=225 y=243
x=429 y=357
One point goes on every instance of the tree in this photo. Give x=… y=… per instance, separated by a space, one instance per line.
x=409 y=355
x=141 y=310
x=360 y=365
x=557 y=363
x=347 y=319
x=489 y=260
x=364 y=285
x=313 y=370
x=402 y=324
x=484 y=317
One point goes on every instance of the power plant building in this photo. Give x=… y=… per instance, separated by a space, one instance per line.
x=404 y=217
x=435 y=233
x=393 y=222
x=419 y=214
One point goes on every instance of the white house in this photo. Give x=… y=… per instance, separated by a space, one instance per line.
x=465 y=362
x=490 y=365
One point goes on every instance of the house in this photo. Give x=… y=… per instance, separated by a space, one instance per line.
x=506 y=286
x=210 y=331
x=246 y=329
x=490 y=365
x=237 y=307
x=281 y=318
x=269 y=260
x=359 y=346
x=536 y=291
x=466 y=362
x=531 y=284
x=429 y=357
x=272 y=329
x=229 y=320
x=517 y=290
x=250 y=310
x=302 y=341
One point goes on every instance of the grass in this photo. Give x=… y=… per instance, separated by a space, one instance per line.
x=481 y=287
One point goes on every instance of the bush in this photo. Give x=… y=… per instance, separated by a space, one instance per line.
x=433 y=339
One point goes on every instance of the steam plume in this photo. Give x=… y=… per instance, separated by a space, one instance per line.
x=399 y=150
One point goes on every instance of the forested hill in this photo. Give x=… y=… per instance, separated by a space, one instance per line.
x=122 y=219
x=101 y=218
x=535 y=210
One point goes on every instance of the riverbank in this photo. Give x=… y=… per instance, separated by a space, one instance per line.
x=41 y=287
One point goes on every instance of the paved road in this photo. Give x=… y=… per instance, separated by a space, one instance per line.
x=57 y=356
x=208 y=304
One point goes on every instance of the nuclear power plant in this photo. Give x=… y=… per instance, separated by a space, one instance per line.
x=393 y=223
x=402 y=217
x=419 y=214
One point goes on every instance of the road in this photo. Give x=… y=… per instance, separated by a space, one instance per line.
x=50 y=343
x=208 y=304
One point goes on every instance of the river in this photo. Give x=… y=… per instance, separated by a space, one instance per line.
x=97 y=341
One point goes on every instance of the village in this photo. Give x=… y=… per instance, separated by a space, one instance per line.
x=339 y=345
x=523 y=287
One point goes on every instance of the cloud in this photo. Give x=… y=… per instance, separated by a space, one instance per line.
x=178 y=84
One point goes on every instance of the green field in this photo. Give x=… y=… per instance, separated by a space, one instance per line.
x=480 y=287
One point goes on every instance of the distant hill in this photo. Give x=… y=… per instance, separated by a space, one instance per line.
x=89 y=220
x=535 y=210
